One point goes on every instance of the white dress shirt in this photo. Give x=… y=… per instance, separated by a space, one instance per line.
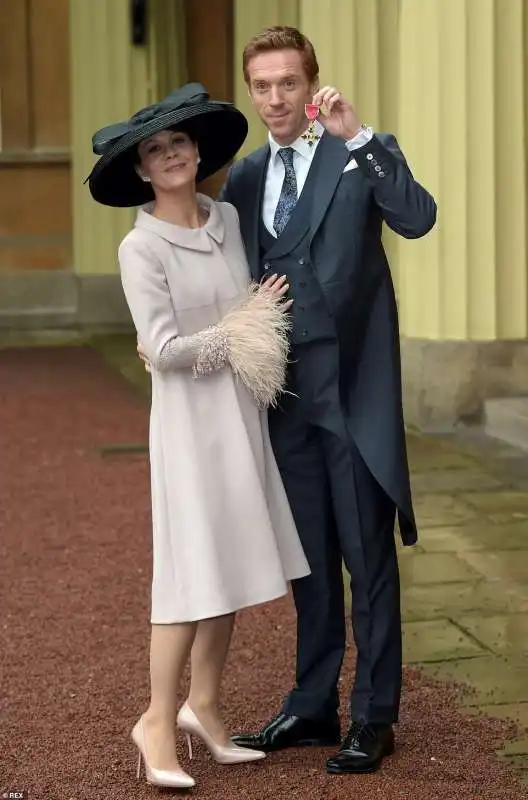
x=302 y=159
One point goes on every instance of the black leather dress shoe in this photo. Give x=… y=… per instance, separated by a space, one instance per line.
x=363 y=749
x=287 y=731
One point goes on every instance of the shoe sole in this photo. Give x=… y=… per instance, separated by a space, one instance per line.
x=361 y=771
x=301 y=743
x=313 y=743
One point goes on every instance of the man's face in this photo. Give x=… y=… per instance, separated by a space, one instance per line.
x=279 y=89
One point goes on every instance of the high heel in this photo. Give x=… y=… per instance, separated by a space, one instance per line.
x=188 y=722
x=170 y=779
x=189 y=744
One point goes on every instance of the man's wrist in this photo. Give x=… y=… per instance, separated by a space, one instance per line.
x=361 y=139
x=352 y=133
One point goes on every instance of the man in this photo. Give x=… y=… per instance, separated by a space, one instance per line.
x=311 y=207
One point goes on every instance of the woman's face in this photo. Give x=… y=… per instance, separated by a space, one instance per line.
x=169 y=159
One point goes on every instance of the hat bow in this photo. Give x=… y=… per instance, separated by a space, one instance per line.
x=189 y=95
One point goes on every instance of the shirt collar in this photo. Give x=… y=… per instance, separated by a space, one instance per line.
x=299 y=145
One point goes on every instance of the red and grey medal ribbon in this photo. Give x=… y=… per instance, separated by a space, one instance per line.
x=312 y=112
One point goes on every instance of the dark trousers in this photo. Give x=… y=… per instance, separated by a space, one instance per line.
x=342 y=514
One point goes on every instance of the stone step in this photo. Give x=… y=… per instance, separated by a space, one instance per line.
x=506 y=418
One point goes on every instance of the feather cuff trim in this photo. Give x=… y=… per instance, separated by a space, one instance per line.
x=258 y=343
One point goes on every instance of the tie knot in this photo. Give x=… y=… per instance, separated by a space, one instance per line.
x=286 y=154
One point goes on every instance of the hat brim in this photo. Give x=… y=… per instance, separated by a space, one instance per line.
x=218 y=129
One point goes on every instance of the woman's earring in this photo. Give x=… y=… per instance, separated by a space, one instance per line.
x=198 y=159
x=145 y=179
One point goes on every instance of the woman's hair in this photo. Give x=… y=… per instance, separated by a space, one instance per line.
x=192 y=136
x=281 y=37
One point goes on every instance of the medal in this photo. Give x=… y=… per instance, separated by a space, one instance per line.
x=312 y=112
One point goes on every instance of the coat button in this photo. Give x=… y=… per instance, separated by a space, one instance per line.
x=381 y=174
x=301 y=261
x=267 y=265
x=300 y=308
x=304 y=332
x=369 y=156
x=303 y=284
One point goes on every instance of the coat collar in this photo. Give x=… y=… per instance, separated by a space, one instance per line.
x=190 y=238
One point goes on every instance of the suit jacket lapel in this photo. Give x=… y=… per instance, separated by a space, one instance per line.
x=330 y=166
x=255 y=193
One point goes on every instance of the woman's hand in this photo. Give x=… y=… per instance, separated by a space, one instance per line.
x=278 y=288
x=143 y=356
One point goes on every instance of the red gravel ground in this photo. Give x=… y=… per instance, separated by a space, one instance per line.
x=75 y=566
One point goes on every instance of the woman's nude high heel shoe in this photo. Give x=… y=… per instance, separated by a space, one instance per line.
x=223 y=754
x=170 y=779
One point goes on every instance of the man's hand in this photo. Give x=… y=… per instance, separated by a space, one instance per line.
x=340 y=118
x=143 y=356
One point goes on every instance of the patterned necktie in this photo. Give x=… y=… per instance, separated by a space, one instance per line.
x=288 y=195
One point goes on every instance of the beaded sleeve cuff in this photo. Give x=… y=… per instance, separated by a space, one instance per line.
x=214 y=351
x=203 y=352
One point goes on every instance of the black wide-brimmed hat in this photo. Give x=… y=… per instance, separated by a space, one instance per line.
x=218 y=128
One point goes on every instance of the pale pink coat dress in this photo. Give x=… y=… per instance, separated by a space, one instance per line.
x=223 y=533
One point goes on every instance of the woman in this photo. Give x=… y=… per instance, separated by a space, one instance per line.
x=223 y=534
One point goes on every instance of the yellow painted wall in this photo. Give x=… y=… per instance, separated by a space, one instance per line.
x=462 y=120
x=110 y=79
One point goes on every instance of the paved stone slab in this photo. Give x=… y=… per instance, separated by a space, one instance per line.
x=430 y=601
x=438 y=509
x=426 y=568
x=507 y=565
x=495 y=679
x=120 y=352
x=432 y=453
x=452 y=481
x=479 y=535
x=518 y=747
x=436 y=640
x=482 y=449
x=516 y=712
x=407 y=551
x=498 y=504
x=505 y=633
x=506 y=517
x=54 y=337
